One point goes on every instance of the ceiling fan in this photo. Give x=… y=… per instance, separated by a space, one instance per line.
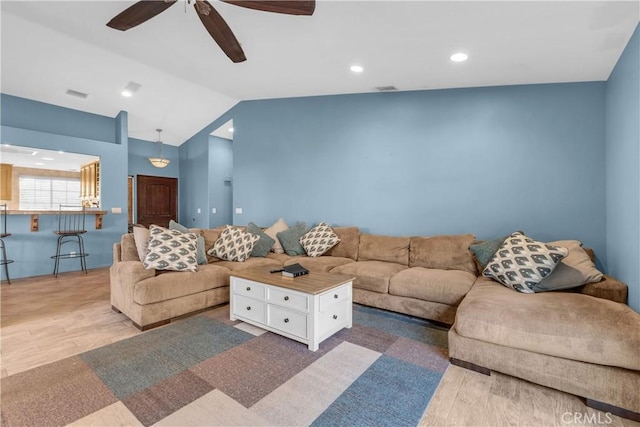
x=211 y=19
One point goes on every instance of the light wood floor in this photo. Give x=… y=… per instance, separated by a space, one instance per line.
x=45 y=319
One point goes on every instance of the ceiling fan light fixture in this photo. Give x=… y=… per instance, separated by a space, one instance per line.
x=159 y=162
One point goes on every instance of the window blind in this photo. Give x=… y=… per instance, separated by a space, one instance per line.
x=47 y=193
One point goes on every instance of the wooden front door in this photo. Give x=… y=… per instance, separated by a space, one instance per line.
x=157 y=201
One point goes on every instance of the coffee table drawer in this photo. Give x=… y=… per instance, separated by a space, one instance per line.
x=287 y=321
x=334 y=318
x=249 y=288
x=287 y=298
x=249 y=308
x=335 y=296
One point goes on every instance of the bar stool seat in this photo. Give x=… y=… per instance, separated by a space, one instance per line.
x=3 y=250
x=71 y=227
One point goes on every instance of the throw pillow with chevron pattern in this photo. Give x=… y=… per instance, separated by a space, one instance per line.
x=171 y=250
x=521 y=262
x=319 y=240
x=234 y=244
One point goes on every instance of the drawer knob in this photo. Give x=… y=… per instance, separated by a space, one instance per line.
x=335 y=296
x=249 y=308
x=286 y=298
x=286 y=320
x=335 y=316
x=248 y=288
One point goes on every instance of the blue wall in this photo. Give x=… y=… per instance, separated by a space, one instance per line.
x=202 y=158
x=34 y=124
x=487 y=161
x=220 y=181
x=138 y=156
x=623 y=169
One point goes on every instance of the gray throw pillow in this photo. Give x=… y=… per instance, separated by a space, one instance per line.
x=483 y=252
x=262 y=246
x=290 y=239
x=201 y=250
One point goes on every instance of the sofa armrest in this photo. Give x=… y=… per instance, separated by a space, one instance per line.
x=131 y=272
x=608 y=288
x=117 y=252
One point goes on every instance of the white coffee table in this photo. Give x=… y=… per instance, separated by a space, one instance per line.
x=307 y=308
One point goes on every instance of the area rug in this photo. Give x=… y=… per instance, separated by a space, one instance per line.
x=207 y=370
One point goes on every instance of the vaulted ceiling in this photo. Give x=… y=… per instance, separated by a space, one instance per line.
x=186 y=81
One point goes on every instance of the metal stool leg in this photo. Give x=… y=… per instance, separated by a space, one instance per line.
x=83 y=262
x=57 y=257
x=4 y=261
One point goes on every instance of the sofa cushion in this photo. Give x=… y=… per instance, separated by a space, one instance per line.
x=264 y=244
x=282 y=258
x=170 y=285
x=272 y=232
x=371 y=275
x=171 y=250
x=234 y=244
x=521 y=263
x=430 y=284
x=443 y=252
x=290 y=239
x=128 y=249
x=374 y=247
x=349 y=241
x=322 y=264
x=561 y=324
x=249 y=263
x=319 y=240
x=575 y=270
x=201 y=250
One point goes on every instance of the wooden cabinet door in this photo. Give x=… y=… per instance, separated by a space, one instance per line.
x=6 y=181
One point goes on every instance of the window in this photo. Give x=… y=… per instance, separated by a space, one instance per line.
x=47 y=193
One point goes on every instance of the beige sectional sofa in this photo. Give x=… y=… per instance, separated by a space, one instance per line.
x=585 y=341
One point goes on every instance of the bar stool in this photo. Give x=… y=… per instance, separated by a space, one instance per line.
x=3 y=233
x=70 y=230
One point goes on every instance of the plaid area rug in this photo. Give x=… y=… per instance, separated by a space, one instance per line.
x=207 y=370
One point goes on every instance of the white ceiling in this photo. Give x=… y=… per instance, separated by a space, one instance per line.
x=187 y=82
x=37 y=158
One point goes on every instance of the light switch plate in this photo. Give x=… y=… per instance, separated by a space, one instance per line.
x=239 y=211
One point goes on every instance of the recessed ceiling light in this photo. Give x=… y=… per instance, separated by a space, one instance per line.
x=130 y=89
x=48 y=158
x=459 y=57
x=230 y=129
x=60 y=152
x=126 y=93
x=357 y=68
x=39 y=164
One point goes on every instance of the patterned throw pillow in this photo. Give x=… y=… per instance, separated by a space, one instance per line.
x=319 y=240
x=171 y=250
x=201 y=251
x=233 y=244
x=521 y=263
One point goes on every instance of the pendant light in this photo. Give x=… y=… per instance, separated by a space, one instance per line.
x=159 y=162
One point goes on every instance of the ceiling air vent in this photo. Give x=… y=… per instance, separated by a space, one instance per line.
x=77 y=94
x=386 y=88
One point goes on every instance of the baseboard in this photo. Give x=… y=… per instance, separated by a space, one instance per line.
x=115 y=309
x=470 y=366
x=620 y=412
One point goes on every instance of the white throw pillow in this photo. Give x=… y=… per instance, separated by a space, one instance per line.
x=171 y=250
x=521 y=263
x=141 y=238
x=234 y=244
x=319 y=240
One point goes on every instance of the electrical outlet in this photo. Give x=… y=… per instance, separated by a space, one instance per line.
x=213 y=210
x=198 y=210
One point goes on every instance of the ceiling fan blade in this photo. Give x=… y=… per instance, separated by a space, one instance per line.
x=139 y=13
x=299 y=7
x=219 y=30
